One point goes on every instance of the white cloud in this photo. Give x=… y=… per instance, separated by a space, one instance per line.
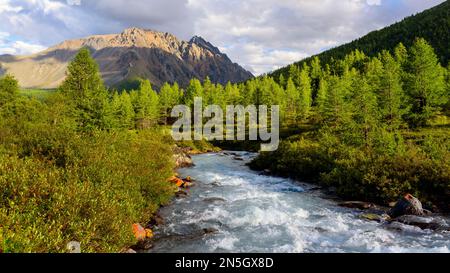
x=5 y=6
x=17 y=47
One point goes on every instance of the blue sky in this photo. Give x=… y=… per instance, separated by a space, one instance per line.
x=261 y=35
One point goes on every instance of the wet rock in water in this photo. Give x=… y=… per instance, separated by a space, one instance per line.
x=357 y=205
x=317 y=188
x=238 y=158
x=74 y=247
x=214 y=200
x=144 y=245
x=210 y=230
x=375 y=217
x=157 y=220
x=407 y=205
x=423 y=222
x=181 y=193
x=216 y=184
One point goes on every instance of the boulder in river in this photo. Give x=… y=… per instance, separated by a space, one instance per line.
x=407 y=205
x=423 y=222
x=375 y=217
x=214 y=200
x=157 y=220
x=357 y=205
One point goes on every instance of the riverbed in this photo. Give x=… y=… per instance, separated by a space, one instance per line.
x=234 y=209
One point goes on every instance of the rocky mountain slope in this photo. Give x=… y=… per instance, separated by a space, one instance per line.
x=157 y=56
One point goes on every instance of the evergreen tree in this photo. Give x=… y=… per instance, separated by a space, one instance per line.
x=123 y=111
x=337 y=111
x=424 y=83
x=84 y=87
x=390 y=93
x=365 y=110
x=294 y=74
x=304 y=88
x=401 y=54
x=321 y=98
x=316 y=75
x=146 y=104
x=169 y=97
x=282 y=81
x=292 y=105
x=194 y=89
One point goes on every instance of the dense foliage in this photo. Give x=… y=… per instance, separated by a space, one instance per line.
x=70 y=168
x=432 y=24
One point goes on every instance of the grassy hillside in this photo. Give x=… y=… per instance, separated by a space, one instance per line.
x=432 y=24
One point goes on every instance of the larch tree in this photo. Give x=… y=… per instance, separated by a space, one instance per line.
x=84 y=87
x=425 y=83
x=292 y=103
x=391 y=97
x=304 y=89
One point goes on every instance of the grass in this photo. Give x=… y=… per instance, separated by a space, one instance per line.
x=36 y=93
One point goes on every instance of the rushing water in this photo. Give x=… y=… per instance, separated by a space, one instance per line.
x=250 y=212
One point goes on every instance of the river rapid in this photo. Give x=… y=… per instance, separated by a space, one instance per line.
x=234 y=209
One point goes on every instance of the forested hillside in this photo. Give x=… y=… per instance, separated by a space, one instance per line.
x=432 y=25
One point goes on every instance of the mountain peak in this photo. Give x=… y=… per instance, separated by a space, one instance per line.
x=135 y=52
x=205 y=44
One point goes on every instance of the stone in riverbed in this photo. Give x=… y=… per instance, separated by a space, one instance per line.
x=357 y=205
x=407 y=205
x=214 y=200
x=157 y=220
x=423 y=222
x=375 y=217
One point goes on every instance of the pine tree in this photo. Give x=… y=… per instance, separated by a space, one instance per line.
x=146 y=105
x=321 y=98
x=401 y=54
x=365 y=110
x=294 y=74
x=316 y=75
x=169 y=97
x=424 y=83
x=123 y=111
x=337 y=110
x=304 y=88
x=292 y=103
x=282 y=81
x=84 y=87
x=9 y=89
x=194 y=90
x=390 y=94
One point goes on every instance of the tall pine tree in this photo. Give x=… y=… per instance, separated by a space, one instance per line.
x=424 y=83
x=84 y=87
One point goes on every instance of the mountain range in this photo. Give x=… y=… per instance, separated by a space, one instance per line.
x=134 y=53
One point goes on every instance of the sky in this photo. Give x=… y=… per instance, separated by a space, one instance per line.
x=260 y=35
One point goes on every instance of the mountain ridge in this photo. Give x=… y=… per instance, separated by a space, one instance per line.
x=432 y=24
x=135 y=52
